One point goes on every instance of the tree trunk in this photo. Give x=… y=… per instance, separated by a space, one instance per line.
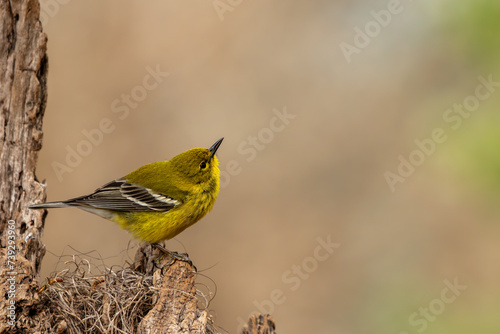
x=142 y=298
x=23 y=96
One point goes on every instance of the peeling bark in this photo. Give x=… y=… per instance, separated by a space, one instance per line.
x=23 y=96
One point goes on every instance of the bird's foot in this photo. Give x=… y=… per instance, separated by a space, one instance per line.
x=174 y=256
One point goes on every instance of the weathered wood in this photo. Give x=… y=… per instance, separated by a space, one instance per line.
x=23 y=96
x=260 y=324
x=176 y=309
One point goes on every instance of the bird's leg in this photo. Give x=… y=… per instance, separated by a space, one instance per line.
x=174 y=256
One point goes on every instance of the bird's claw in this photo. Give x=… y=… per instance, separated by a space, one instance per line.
x=174 y=256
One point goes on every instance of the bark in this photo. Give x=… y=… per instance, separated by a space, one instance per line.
x=23 y=95
x=176 y=309
x=260 y=324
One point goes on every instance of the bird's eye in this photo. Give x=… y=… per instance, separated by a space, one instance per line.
x=203 y=165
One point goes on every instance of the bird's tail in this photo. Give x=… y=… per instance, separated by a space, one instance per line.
x=48 y=205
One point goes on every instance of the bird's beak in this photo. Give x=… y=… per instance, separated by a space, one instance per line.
x=214 y=147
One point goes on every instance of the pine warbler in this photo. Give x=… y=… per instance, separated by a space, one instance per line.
x=159 y=200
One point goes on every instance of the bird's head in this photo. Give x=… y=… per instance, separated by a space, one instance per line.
x=198 y=165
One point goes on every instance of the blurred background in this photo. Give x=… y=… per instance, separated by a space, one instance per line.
x=361 y=166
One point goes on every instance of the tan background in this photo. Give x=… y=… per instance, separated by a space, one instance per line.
x=322 y=176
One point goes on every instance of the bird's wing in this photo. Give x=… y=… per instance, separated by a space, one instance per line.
x=119 y=195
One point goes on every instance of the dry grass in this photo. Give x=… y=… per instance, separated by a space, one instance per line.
x=76 y=300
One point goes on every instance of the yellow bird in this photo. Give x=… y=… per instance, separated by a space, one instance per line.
x=157 y=201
